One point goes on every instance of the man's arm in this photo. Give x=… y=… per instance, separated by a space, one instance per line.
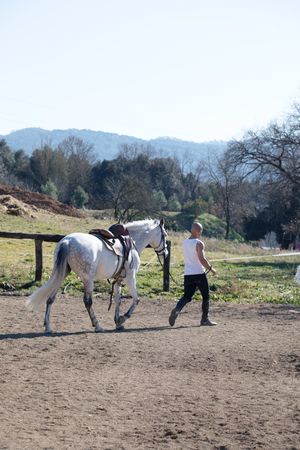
x=202 y=258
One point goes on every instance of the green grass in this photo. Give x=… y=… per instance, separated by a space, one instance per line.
x=266 y=281
x=253 y=281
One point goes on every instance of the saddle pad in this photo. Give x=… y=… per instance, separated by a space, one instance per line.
x=118 y=248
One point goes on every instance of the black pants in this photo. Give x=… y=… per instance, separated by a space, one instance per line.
x=191 y=283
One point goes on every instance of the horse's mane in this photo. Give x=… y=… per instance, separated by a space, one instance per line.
x=146 y=225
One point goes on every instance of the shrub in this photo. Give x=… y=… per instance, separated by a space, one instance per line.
x=49 y=189
x=174 y=203
x=195 y=207
x=159 y=199
x=79 y=197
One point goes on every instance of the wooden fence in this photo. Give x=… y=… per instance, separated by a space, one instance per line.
x=39 y=238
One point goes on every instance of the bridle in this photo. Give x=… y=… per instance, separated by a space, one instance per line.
x=159 y=251
x=162 y=246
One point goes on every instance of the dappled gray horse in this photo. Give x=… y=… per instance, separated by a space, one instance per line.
x=91 y=260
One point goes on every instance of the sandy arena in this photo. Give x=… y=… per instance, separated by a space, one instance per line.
x=235 y=386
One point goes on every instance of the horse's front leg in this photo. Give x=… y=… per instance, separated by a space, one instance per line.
x=47 y=325
x=131 y=283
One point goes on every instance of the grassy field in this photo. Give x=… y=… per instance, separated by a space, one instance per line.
x=256 y=280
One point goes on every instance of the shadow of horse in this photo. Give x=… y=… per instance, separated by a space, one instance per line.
x=151 y=329
x=33 y=335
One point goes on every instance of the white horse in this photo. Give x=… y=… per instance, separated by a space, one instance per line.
x=89 y=258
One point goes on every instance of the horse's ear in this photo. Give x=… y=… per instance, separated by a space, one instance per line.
x=162 y=222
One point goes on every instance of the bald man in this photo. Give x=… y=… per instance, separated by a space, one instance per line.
x=195 y=264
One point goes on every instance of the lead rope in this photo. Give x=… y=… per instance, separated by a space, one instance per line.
x=111 y=294
x=117 y=275
x=169 y=273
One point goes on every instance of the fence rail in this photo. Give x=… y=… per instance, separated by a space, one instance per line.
x=35 y=236
x=40 y=237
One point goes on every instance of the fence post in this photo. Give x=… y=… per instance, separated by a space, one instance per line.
x=38 y=259
x=166 y=271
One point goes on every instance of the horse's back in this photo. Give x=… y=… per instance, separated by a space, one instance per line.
x=83 y=243
x=87 y=253
x=82 y=238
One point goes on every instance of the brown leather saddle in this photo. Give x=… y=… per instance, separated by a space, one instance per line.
x=116 y=234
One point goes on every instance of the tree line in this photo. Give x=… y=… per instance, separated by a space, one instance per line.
x=254 y=186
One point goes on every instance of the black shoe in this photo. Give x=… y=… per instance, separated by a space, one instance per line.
x=173 y=317
x=207 y=323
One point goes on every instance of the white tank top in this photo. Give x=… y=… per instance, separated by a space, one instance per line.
x=192 y=265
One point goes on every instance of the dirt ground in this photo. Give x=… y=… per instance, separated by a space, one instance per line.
x=37 y=200
x=234 y=386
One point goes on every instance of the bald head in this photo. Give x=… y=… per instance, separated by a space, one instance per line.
x=196 y=229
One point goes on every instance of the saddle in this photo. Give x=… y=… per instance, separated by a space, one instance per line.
x=116 y=238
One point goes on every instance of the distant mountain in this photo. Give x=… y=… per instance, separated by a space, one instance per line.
x=107 y=145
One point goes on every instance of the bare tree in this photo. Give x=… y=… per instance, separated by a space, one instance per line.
x=132 y=151
x=79 y=156
x=227 y=181
x=273 y=152
x=192 y=180
x=129 y=196
x=73 y=145
x=273 y=155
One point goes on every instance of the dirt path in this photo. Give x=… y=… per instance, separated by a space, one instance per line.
x=235 y=386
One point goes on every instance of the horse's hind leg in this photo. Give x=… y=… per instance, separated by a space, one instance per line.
x=50 y=302
x=88 y=302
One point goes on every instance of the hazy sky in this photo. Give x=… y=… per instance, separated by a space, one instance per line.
x=191 y=69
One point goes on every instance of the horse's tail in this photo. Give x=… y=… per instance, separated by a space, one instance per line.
x=60 y=271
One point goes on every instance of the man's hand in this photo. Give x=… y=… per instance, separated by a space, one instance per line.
x=213 y=271
x=203 y=260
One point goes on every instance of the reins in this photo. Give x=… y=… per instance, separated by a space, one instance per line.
x=162 y=250
x=169 y=273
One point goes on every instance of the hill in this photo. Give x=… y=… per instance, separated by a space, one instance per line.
x=107 y=145
x=213 y=227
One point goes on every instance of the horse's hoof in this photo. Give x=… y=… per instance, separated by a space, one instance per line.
x=99 y=330
x=120 y=321
x=48 y=332
x=120 y=329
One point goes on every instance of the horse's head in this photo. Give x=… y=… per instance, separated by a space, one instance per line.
x=158 y=240
x=149 y=233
